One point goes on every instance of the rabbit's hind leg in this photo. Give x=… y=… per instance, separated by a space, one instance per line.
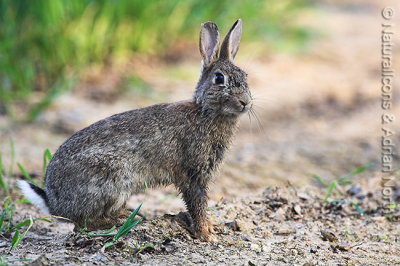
x=106 y=222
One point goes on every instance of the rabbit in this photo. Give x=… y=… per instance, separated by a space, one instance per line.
x=92 y=174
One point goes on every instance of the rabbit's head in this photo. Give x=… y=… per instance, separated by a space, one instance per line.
x=222 y=88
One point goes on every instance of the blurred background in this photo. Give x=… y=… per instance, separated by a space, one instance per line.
x=314 y=70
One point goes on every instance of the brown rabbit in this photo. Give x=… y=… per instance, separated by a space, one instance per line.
x=92 y=175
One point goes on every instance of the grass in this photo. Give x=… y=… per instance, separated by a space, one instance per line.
x=115 y=238
x=337 y=185
x=7 y=210
x=46 y=44
x=6 y=221
x=129 y=224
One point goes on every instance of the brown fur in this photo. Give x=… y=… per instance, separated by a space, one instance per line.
x=98 y=168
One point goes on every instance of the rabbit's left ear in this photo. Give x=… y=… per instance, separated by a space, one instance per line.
x=230 y=45
x=208 y=42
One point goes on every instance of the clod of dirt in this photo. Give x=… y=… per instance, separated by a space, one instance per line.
x=233 y=225
x=343 y=246
x=328 y=236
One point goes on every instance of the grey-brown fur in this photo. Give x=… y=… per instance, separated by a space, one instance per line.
x=96 y=170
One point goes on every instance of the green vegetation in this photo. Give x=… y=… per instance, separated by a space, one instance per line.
x=7 y=209
x=338 y=184
x=129 y=224
x=46 y=44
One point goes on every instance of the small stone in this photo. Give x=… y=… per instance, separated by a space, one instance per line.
x=285 y=231
x=245 y=226
x=266 y=234
x=343 y=246
x=313 y=250
x=354 y=190
x=297 y=209
x=233 y=225
x=255 y=247
x=328 y=236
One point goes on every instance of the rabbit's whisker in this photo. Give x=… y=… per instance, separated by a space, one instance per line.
x=254 y=114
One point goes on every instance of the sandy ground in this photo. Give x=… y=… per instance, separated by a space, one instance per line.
x=318 y=112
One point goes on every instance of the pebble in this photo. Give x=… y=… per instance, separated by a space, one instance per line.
x=286 y=231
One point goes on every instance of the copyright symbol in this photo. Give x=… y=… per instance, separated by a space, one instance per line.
x=387 y=13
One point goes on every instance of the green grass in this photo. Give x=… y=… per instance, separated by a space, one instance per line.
x=6 y=223
x=7 y=209
x=339 y=183
x=46 y=44
x=129 y=224
x=5 y=177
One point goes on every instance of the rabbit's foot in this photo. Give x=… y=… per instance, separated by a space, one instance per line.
x=206 y=235
x=205 y=232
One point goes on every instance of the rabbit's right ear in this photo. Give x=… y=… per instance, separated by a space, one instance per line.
x=208 y=43
x=230 y=45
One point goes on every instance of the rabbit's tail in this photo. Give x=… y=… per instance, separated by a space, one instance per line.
x=35 y=195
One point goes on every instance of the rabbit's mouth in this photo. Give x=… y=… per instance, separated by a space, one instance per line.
x=242 y=105
x=237 y=108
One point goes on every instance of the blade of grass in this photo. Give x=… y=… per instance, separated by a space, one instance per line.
x=26 y=175
x=108 y=244
x=319 y=180
x=127 y=229
x=83 y=230
x=338 y=202
x=3 y=214
x=46 y=159
x=11 y=168
x=147 y=188
x=14 y=239
x=2 y=184
x=330 y=189
x=357 y=171
x=357 y=207
x=106 y=233
x=15 y=243
x=23 y=201
x=345 y=183
x=6 y=208
x=122 y=231
x=28 y=221
x=143 y=247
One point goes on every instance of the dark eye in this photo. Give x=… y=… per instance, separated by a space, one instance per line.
x=219 y=79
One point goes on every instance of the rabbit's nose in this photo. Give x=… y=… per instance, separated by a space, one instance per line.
x=244 y=104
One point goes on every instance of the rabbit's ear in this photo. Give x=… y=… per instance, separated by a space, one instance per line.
x=208 y=43
x=230 y=45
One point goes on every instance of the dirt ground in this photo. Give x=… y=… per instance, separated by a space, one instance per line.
x=318 y=112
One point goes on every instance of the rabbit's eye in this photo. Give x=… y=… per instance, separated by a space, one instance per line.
x=219 y=79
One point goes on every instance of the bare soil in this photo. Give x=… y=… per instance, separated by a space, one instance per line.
x=318 y=112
